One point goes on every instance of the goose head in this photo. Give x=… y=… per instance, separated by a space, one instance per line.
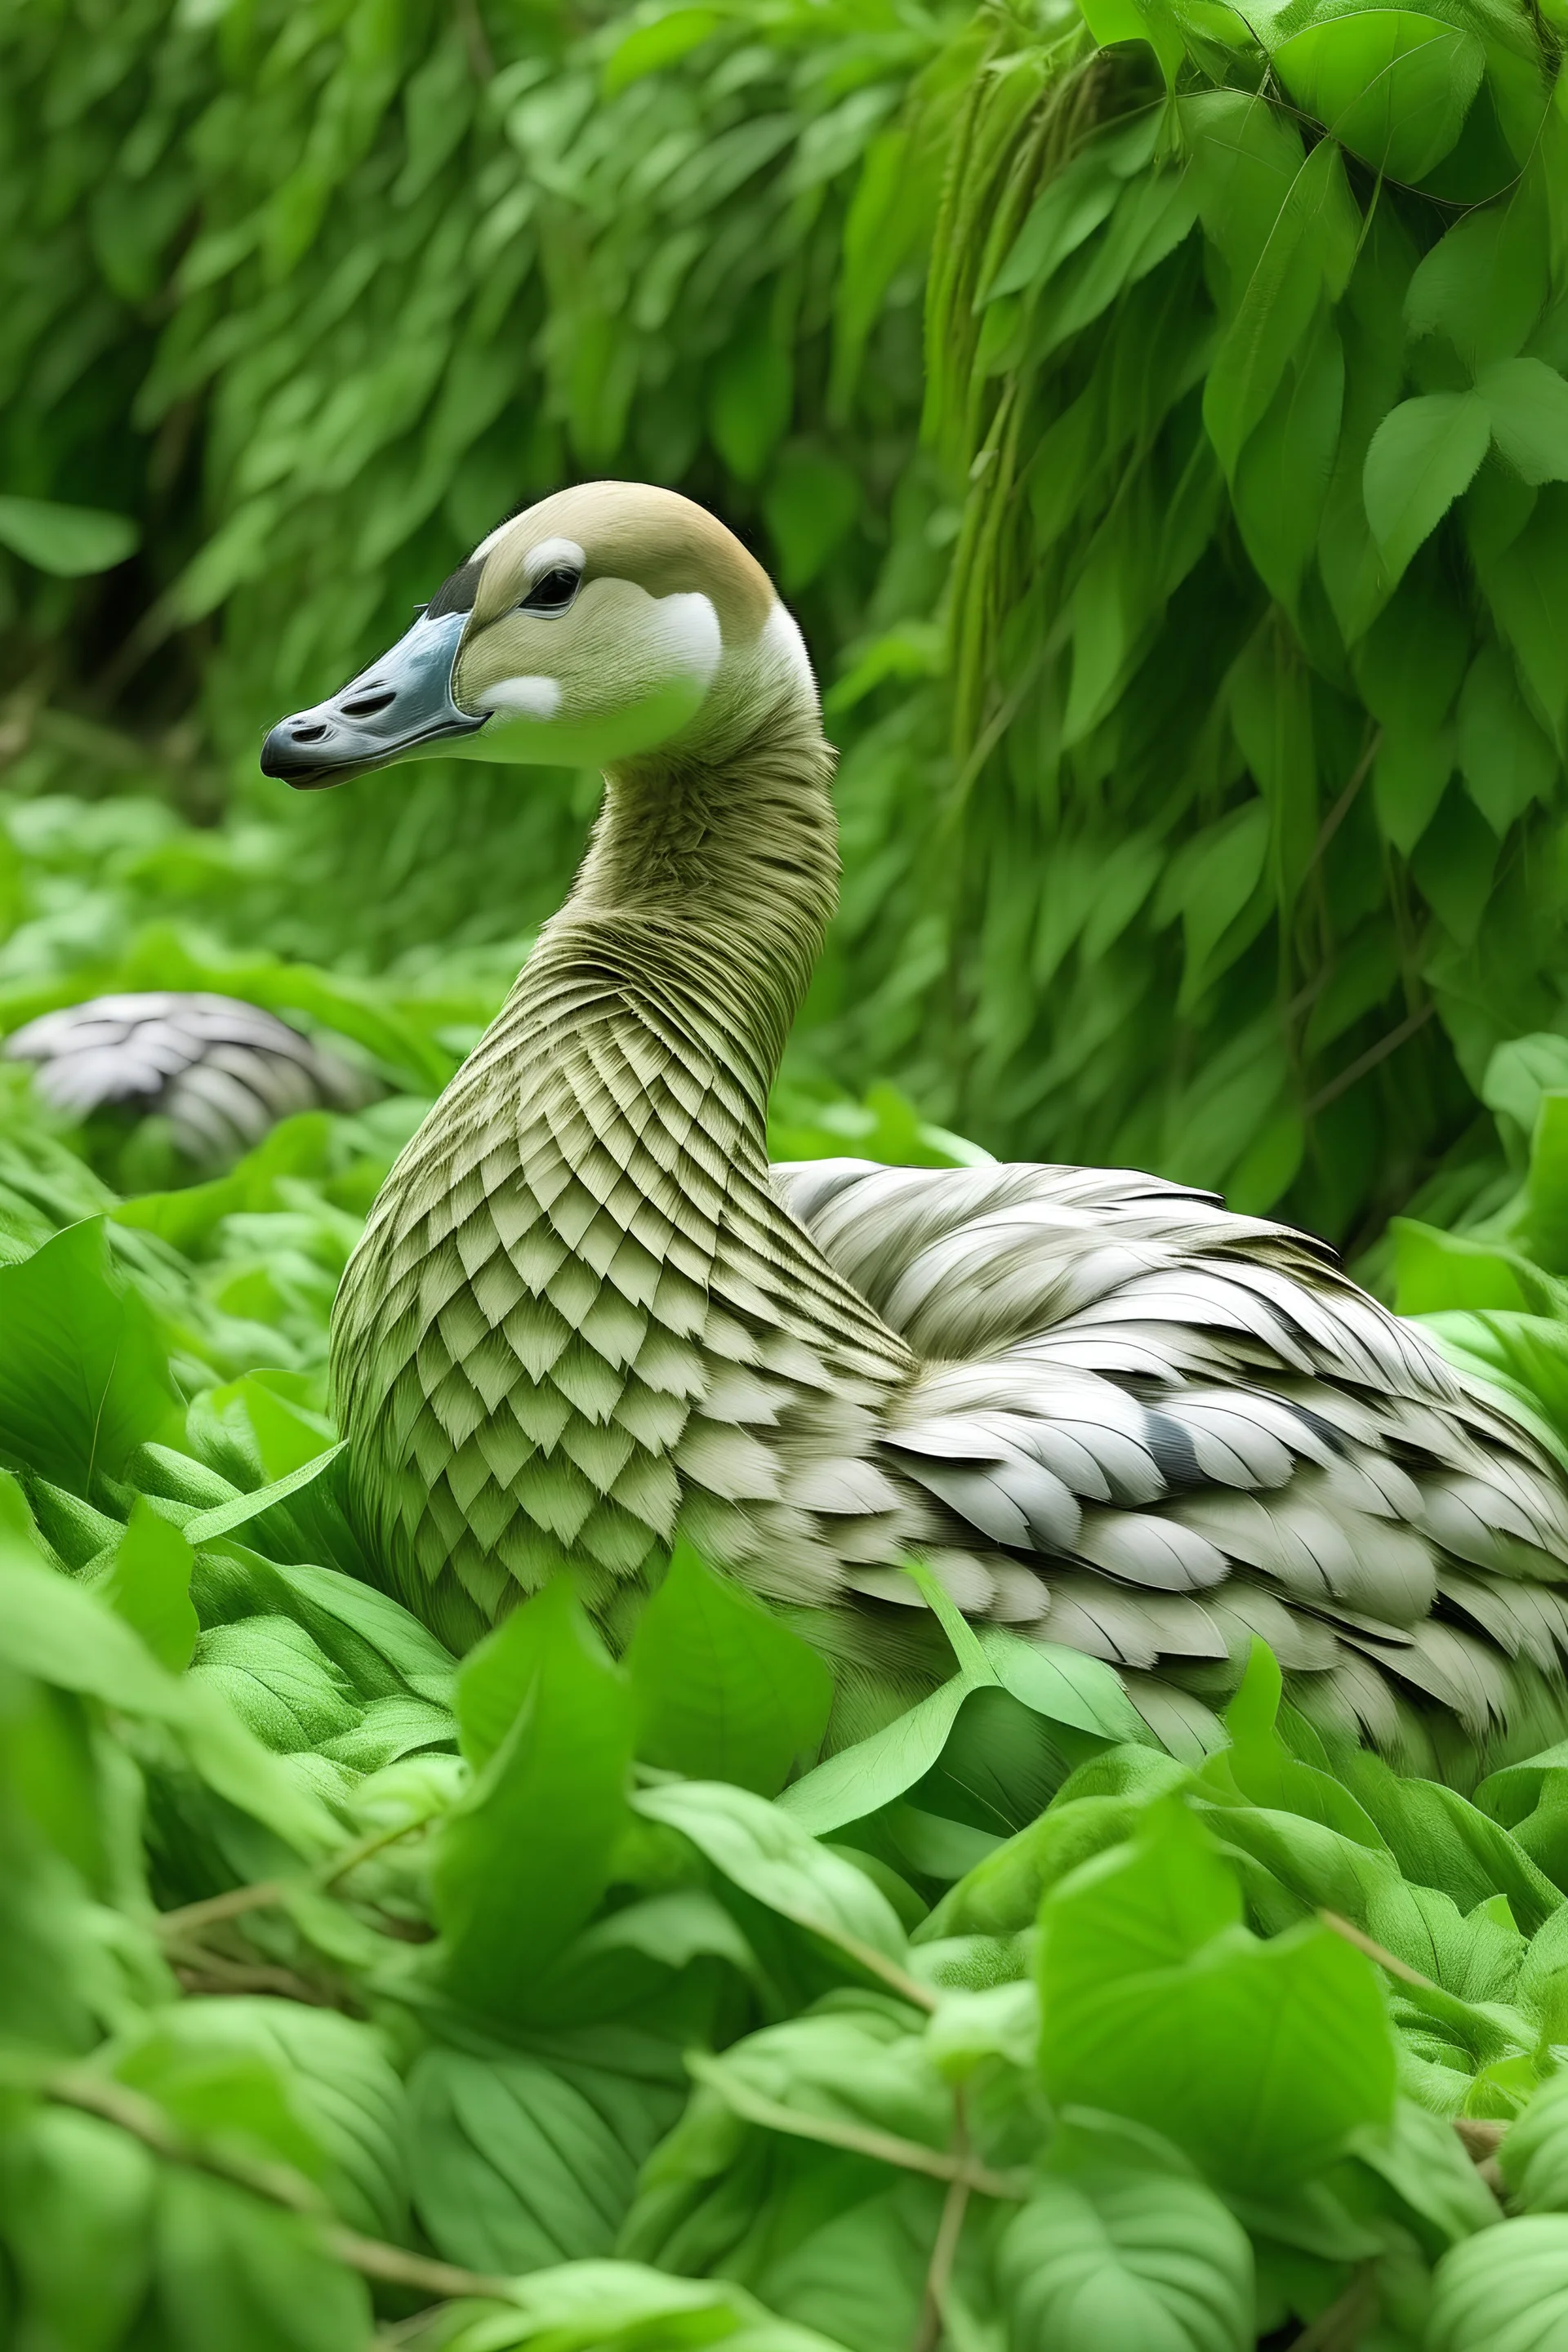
x=608 y=621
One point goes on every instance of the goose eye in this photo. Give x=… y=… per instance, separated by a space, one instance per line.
x=552 y=593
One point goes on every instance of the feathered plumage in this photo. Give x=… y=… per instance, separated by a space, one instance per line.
x=586 y=1313
x=221 y=1071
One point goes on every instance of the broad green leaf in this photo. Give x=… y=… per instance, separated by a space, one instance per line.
x=276 y=1680
x=1280 y=477
x=861 y=1779
x=1529 y=405
x=1391 y=84
x=810 y=503
x=228 y=1519
x=83 y=1380
x=1434 y=1271
x=70 y=540
x=1521 y=1074
x=651 y=47
x=864 y=2065
x=1063 y=1685
x=1310 y=250
x=1422 y=454
x=1505 y=2290
x=1526 y=583
x=1423 y=2160
x=598 y=2307
x=521 y=1862
x=341 y=2083
x=1439 y=1839
x=1257 y=2058
x=233 y=2271
x=1505 y=758
x=724 y=1690
x=1107 y=2259
x=1533 y=2158
x=1001 y=1895
x=148 y=1584
x=752 y=398
x=518 y=2163
x=75 y=2202
x=1484 y=285
x=765 y=1851
x=58 y=1631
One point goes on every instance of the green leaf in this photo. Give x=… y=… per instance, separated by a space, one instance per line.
x=1422 y=454
x=1434 y=1271
x=752 y=398
x=1063 y=1686
x=1533 y=2158
x=237 y=2272
x=762 y=1848
x=1504 y=758
x=75 y=2205
x=148 y=1584
x=276 y=1680
x=864 y=1777
x=1309 y=249
x=228 y=1519
x=810 y=505
x=1529 y=405
x=1280 y=479
x=1259 y=2059
x=865 y=2066
x=649 y=47
x=83 y=1381
x=70 y=540
x=518 y=2163
x=724 y=1690
x=1393 y=86
x=63 y=1634
x=1107 y=2259
x=1483 y=285
x=594 y=2307
x=520 y=1864
x=1505 y=2290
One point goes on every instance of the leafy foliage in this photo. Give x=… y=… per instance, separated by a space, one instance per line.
x=567 y=1999
x=1239 y=516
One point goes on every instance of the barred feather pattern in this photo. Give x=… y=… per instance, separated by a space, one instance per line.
x=586 y=1313
x=220 y=1071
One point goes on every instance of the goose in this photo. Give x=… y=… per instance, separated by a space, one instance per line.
x=587 y=1317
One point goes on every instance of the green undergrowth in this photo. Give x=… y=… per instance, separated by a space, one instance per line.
x=352 y=1993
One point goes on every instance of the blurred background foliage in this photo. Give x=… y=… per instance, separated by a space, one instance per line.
x=1154 y=413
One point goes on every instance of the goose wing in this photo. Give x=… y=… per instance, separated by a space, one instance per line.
x=1157 y=1428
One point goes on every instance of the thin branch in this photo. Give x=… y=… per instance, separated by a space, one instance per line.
x=1342 y=807
x=1341 y=2327
x=1378 y=1952
x=897 y=1980
x=271 y=1893
x=373 y=2259
x=1358 y=1070
x=280 y=2184
x=856 y=2139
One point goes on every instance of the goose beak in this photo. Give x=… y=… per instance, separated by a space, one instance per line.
x=401 y=703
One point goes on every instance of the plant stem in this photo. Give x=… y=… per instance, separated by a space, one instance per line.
x=949 y=2230
x=280 y=2184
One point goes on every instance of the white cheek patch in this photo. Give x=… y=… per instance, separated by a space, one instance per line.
x=689 y=636
x=523 y=698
